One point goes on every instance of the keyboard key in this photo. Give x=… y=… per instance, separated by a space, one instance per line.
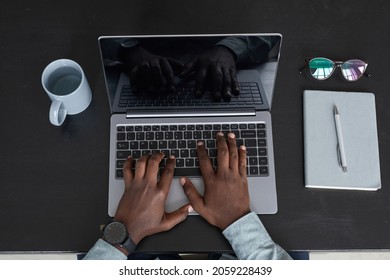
x=119 y=163
x=262 y=151
x=188 y=135
x=253 y=161
x=178 y=135
x=172 y=144
x=262 y=142
x=143 y=145
x=182 y=144
x=264 y=170
x=123 y=154
x=261 y=133
x=120 y=128
x=130 y=136
x=250 y=143
x=184 y=153
x=153 y=145
x=178 y=172
x=122 y=145
x=179 y=163
x=248 y=134
x=191 y=144
x=263 y=161
x=140 y=135
x=134 y=145
x=253 y=170
x=189 y=162
x=162 y=144
x=121 y=136
x=119 y=173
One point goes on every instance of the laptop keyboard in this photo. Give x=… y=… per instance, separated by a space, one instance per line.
x=180 y=140
x=249 y=95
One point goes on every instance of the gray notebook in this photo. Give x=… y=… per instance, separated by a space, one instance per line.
x=355 y=165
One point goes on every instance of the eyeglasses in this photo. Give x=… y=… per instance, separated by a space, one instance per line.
x=322 y=68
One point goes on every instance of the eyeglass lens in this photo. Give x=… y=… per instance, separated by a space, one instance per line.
x=353 y=69
x=322 y=68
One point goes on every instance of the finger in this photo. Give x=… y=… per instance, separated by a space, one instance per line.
x=204 y=161
x=167 y=175
x=167 y=73
x=189 y=68
x=135 y=79
x=233 y=151
x=144 y=76
x=196 y=200
x=156 y=75
x=216 y=80
x=153 y=166
x=200 y=81
x=140 y=167
x=176 y=65
x=235 y=85
x=226 y=86
x=242 y=161
x=127 y=170
x=175 y=217
x=222 y=152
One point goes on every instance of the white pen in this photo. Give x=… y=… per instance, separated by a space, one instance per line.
x=340 y=141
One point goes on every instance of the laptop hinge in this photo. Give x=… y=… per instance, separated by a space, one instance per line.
x=164 y=113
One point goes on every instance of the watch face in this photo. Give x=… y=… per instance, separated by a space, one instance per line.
x=115 y=233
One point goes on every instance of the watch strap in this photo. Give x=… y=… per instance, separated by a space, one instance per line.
x=128 y=245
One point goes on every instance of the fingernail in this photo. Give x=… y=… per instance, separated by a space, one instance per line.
x=182 y=181
x=243 y=147
x=129 y=157
x=200 y=143
x=172 y=157
x=220 y=134
x=190 y=209
x=232 y=135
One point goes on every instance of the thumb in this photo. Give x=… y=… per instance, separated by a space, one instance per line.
x=192 y=194
x=176 y=217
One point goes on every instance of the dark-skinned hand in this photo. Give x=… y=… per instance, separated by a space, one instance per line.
x=149 y=72
x=214 y=70
x=141 y=207
x=226 y=196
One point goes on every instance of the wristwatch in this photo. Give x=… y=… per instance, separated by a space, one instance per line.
x=115 y=233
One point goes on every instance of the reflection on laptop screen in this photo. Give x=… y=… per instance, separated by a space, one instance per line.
x=201 y=72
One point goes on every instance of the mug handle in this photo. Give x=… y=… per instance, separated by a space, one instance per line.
x=57 y=113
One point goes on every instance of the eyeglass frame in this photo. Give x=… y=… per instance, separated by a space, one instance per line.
x=337 y=64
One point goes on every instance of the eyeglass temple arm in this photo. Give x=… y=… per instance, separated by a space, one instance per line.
x=304 y=66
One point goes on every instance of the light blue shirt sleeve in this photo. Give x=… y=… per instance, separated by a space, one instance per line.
x=250 y=240
x=248 y=237
x=104 y=251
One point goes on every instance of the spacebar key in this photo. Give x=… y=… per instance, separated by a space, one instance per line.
x=187 y=172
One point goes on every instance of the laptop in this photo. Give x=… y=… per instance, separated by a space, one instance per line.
x=165 y=94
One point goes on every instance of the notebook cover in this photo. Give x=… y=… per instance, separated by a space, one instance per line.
x=359 y=129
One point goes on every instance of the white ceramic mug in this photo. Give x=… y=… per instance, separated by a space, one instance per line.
x=66 y=85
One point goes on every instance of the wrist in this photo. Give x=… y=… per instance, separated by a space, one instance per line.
x=116 y=234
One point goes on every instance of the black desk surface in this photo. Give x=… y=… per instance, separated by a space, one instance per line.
x=53 y=180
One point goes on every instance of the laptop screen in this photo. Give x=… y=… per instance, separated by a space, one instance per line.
x=196 y=72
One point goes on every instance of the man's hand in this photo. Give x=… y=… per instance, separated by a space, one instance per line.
x=149 y=72
x=215 y=69
x=226 y=196
x=141 y=208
